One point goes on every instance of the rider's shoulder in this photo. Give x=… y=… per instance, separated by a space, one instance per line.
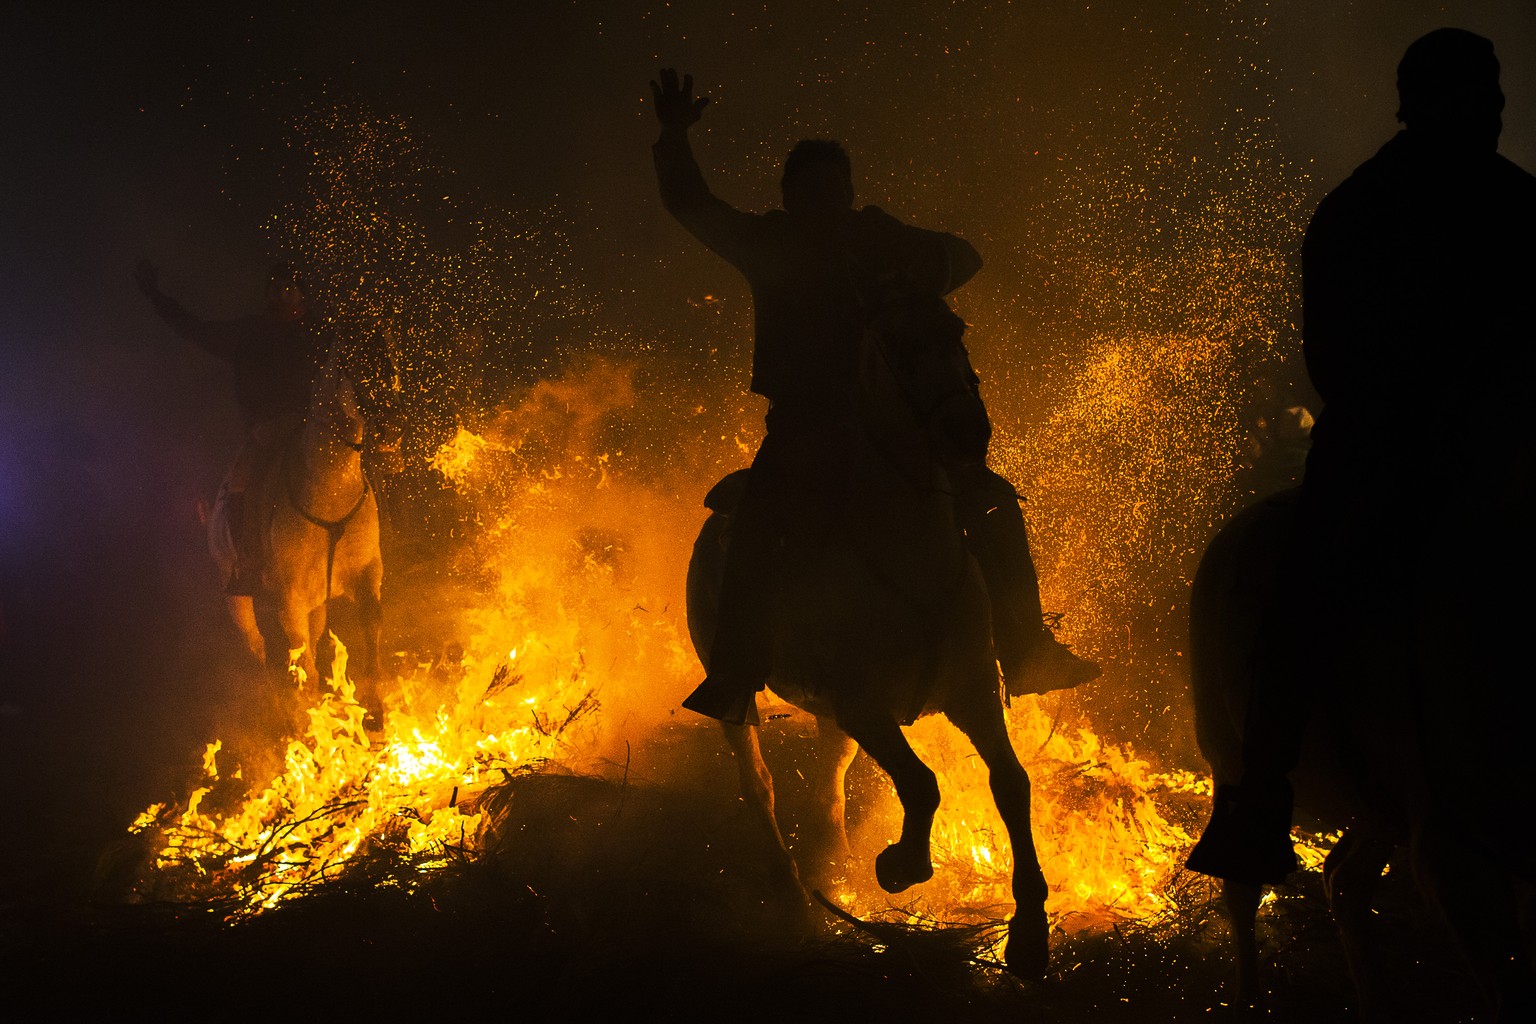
x=874 y=222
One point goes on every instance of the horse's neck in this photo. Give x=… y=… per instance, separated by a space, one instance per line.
x=910 y=527
x=331 y=471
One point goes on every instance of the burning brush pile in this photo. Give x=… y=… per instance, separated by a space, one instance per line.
x=569 y=658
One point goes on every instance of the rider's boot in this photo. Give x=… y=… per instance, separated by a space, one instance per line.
x=725 y=699
x=739 y=663
x=1249 y=835
x=1031 y=658
x=1040 y=664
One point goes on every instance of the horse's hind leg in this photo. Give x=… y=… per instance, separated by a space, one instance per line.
x=835 y=751
x=757 y=791
x=242 y=611
x=1028 y=950
x=907 y=861
x=1350 y=878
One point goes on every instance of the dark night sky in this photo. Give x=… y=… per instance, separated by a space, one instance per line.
x=121 y=123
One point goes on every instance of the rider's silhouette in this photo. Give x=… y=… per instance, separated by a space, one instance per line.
x=809 y=266
x=1416 y=282
x=274 y=356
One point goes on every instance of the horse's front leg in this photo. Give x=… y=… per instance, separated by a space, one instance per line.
x=980 y=717
x=907 y=861
x=1351 y=875
x=322 y=643
x=293 y=618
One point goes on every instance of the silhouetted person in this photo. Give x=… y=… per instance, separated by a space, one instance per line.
x=274 y=356
x=1416 y=284
x=808 y=266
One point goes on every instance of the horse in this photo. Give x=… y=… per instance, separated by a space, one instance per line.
x=1417 y=752
x=886 y=619
x=320 y=540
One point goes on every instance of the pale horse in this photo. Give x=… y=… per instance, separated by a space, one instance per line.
x=320 y=540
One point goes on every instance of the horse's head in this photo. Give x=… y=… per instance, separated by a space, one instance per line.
x=914 y=342
x=333 y=406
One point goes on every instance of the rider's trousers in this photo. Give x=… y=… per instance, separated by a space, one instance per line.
x=794 y=494
x=988 y=510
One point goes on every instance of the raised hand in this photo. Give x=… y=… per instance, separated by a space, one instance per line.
x=676 y=106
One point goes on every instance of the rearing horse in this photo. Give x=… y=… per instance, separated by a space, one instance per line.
x=320 y=538
x=887 y=620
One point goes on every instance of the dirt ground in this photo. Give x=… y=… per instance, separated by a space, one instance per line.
x=632 y=899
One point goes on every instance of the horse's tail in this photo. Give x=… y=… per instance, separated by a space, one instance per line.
x=707 y=565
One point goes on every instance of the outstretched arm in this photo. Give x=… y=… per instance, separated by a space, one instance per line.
x=214 y=338
x=684 y=192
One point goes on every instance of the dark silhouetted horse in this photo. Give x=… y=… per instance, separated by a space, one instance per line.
x=886 y=619
x=1421 y=748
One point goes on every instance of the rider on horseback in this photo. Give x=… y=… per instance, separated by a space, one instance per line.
x=274 y=356
x=810 y=266
x=1424 y=252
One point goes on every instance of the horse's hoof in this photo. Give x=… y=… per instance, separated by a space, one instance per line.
x=1027 y=954
x=898 y=869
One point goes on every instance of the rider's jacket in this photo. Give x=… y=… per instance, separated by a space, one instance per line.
x=1418 y=290
x=273 y=361
x=807 y=279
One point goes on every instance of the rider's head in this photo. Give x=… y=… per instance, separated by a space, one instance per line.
x=818 y=179
x=286 y=291
x=1448 y=90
